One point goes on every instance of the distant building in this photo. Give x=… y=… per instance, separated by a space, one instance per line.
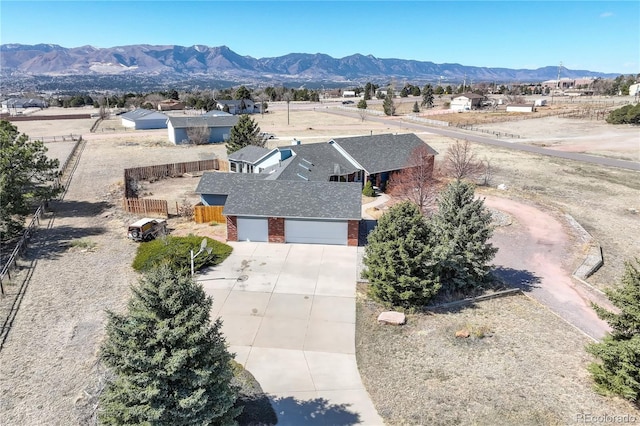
x=634 y=89
x=144 y=119
x=466 y=102
x=22 y=103
x=218 y=128
x=170 y=105
x=521 y=108
x=238 y=106
x=348 y=93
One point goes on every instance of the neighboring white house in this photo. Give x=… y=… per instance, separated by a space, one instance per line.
x=466 y=102
x=348 y=93
x=540 y=102
x=521 y=108
x=634 y=89
x=218 y=128
x=238 y=106
x=144 y=119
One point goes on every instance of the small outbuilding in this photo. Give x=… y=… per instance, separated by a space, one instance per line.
x=144 y=119
x=521 y=108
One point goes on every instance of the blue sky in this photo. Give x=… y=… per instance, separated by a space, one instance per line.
x=599 y=36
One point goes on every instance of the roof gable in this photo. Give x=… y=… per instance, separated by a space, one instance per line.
x=279 y=198
x=249 y=154
x=219 y=183
x=315 y=162
x=143 y=114
x=209 y=121
x=382 y=153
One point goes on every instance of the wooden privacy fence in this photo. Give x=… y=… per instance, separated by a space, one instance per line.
x=204 y=214
x=146 y=206
x=162 y=171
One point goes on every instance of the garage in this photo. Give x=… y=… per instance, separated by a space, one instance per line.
x=307 y=231
x=253 y=229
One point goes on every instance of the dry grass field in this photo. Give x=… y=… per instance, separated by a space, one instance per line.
x=48 y=370
x=521 y=366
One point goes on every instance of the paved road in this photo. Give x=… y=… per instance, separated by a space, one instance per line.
x=459 y=134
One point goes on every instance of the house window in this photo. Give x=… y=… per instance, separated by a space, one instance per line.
x=232 y=167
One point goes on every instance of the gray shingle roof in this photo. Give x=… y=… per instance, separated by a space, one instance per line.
x=224 y=183
x=215 y=121
x=143 y=114
x=249 y=154
x=382 y=153
x=315 y=162
x=311 y=200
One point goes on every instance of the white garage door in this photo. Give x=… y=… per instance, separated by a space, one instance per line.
x=315 y=231
x=253 y=229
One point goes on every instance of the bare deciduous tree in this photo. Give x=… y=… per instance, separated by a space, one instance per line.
x=417 y=183
x=198 y=133
x=461 y=162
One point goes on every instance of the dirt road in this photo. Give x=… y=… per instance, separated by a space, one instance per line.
x=537 y=254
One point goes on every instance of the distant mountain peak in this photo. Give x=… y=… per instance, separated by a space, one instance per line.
x=209 y=62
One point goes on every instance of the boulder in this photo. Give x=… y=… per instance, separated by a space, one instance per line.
x=392 y=317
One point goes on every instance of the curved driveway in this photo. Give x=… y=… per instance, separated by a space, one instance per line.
x=535 y=254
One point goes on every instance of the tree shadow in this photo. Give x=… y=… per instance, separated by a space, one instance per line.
x=516 y=278
x=366 y=226
x=49 y=243
x=77 y=208
x=317 y=411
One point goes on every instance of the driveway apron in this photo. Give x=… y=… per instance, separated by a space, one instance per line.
x=288 y=314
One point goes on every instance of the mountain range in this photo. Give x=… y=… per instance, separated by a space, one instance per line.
x=221 y=63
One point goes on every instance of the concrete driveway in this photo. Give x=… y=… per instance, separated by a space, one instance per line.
x=289 y=316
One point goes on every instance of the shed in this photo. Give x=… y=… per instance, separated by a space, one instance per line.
x=521 y=108
x=218 y=128
x=144 y=119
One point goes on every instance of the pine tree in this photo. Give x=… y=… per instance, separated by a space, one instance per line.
x=427 y=96
x=245 y=132
x=618 y=369
x=398 y=258
x=462 y=228
x=388 y=105
x=416 y=108
x=171 y=364
x=26 y=175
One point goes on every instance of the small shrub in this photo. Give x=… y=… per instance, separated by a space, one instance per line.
x=368 y=191
x=176 y=252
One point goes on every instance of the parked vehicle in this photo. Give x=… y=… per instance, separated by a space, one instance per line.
x=147 y=229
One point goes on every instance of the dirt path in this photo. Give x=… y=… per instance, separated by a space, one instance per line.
x=537 y=254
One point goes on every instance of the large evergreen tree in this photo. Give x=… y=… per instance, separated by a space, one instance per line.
x=618 y=369
x=399 y=258
x=245 y=132
x=26 y=177
x=427 y=96
x=388 y=105
x=170 y=363
x=462 y=228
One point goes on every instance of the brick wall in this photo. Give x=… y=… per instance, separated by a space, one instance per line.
x=232 y=228
x=353 y=227
x=276 y=229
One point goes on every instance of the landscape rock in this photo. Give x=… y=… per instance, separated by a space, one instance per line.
x=463 y=334
x=392 y=317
